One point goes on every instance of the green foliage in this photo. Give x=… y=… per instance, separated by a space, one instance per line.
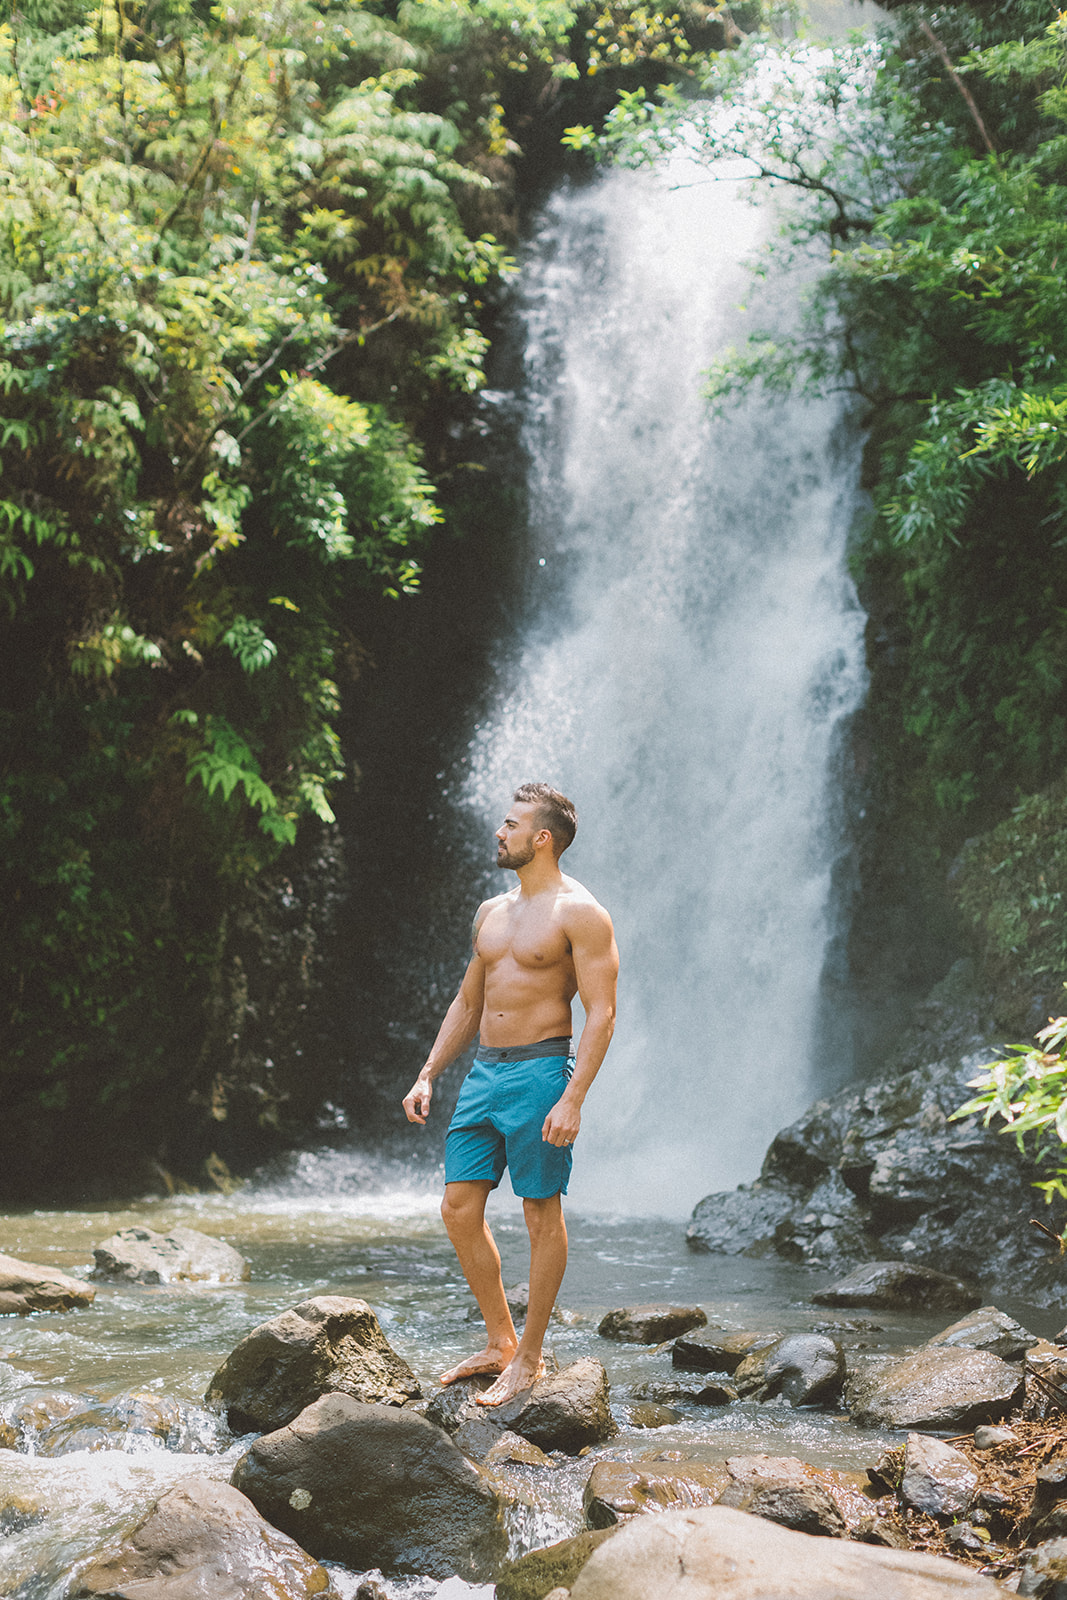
x=1011 y=887
x=1027 y=1090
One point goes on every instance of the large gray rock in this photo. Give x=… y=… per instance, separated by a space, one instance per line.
x=374 y=1486
x=138 y=1255
x=937 y=1479
x=988 y=1329
x=650 y=1324
x=807 y=1368
x=935 y=1389
x=787 y=1490
x=618 y=1490
x=328 y=1345
x=202 y=1539
x=718 y=1554
x=26 y=1288
x=565 y=1411
x=899 y=1286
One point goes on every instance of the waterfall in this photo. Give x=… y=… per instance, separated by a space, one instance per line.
x=687 y=654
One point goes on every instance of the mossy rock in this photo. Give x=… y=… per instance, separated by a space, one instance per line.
x=555 y=1567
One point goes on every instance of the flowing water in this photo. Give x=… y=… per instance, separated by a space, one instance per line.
x=333 y=1225
x=686 y=661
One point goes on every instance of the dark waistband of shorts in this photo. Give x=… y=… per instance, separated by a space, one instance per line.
x=559 y=1046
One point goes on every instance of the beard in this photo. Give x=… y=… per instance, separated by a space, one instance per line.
x=518 y=856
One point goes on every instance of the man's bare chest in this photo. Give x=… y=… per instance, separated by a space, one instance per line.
x=535 y=942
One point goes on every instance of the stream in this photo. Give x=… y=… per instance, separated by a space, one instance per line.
x=337 y=1224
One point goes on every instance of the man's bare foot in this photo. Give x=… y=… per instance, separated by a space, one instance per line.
x=516 y=1376
x=494 y=1358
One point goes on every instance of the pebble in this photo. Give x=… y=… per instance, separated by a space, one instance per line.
x=987 y=1438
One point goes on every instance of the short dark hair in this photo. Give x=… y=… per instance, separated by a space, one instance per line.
x=554 y=812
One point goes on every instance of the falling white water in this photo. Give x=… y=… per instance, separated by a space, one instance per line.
x=690 y=645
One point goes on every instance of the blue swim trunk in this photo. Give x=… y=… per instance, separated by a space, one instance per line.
x=501 y=1110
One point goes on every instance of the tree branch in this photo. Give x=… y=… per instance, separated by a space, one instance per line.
x=968 y=97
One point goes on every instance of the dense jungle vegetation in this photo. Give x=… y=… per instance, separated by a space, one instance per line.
x=251 y=260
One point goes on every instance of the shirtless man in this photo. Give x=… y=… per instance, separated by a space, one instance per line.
x=535 y=947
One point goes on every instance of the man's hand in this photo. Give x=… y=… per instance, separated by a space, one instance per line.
x=417 y=1100
x=562 y=1123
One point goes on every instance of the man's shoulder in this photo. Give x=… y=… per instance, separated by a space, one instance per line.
x=581 y=906
x=491 y=904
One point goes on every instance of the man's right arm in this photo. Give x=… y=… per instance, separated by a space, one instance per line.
x=456 y=1032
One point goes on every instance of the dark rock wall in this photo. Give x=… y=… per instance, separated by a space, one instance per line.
x=883 y=1172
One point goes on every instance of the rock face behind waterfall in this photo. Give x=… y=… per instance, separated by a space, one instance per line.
x=879 y=1172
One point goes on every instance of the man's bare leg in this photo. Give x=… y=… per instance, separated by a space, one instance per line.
x=463 y=1212
x=548 y=1262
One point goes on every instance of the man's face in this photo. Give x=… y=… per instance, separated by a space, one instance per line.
x=515 y=836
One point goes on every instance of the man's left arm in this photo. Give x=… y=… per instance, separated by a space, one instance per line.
x=596 y=967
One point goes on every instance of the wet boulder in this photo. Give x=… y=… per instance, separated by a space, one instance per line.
x=740 y=1221
x=933 y=1390
x=184 y=1255
x=1048 y=1506
x=1046 y=1384
x=788 y=1491
x=988 y=1329
x=551 y=1569
x=937 y=1479
x=899 y=1286
x=646 y=1414
x=453 y=1405
x=714 y=1551
x=618 y=1490
x=1044 y=1571
x=328 y=1345
x=376 y=1486
x=202 y=1538
x=511 y=1448
x=712 y=1350
x=807 y=1368
x=883 y=1171
x=708 y=1393
x=650 y=1324
x=566 y=1410
x=484 y=1439
x=26 y=1288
